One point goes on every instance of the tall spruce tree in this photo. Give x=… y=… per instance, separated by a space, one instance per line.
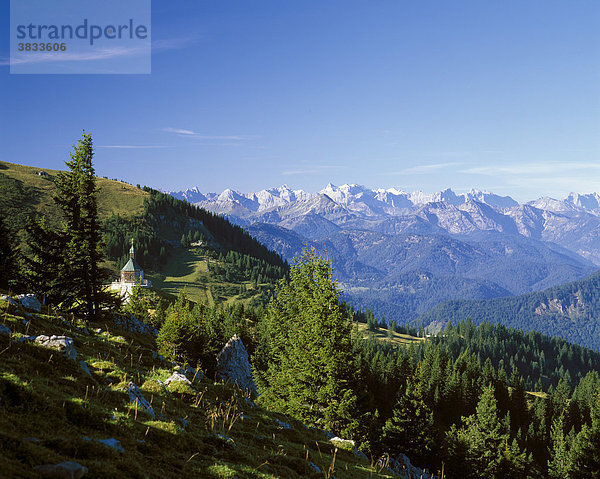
x=78 y=271
x=559 y=463
x=76 y=194
x=42 y=271
x=303 y=361
x=8 y=257
x=585 y=453
x=410 y=430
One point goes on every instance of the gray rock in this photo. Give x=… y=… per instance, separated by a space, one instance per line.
x=282 y=425
x=178 y=377
x=233 y=365
x=112 y=443
x=64 y=470
x=5 y=330
x=184 y=422
x=60 y=343
x=226 y=439
x=32 y=439
x=84 y=367
x=349 y=443
x=134 y=325
x=136 y=397
x=30 y=301
x=401 y=465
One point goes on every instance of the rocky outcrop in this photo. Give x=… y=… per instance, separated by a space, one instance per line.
x=136 y=397
x=402 y=466
x=30 y=301
x=60 y=343
x=177 y=377
x=192 y=374
x=233 y=365
x=134 y=325
x=64 y=470
x=111 y=442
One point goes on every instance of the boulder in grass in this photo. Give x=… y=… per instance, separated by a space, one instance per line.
x=136 y=397
x=112 y=443
x=233 y=365
x=64 y=470
x=30 y=301
x=60 y=343
x=177 y=377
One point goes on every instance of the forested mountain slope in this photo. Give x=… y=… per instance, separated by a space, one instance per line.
x=570 y=311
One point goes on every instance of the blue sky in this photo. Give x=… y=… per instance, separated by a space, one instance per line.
x=498 y=95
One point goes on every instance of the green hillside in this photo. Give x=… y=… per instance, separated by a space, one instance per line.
x=165 y=231
x=570 y=311
x=114 y=197
x=53 y=411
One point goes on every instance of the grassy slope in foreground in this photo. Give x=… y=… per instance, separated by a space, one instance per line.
x=49 y=405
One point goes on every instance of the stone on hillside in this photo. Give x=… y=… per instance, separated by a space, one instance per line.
x=60 y=343
x=64 y=470
x=233 y=365
x=282 y=425
x=84 y=367
x=112 y=443
x=5 y=330
x=177 y=377
x=136 y=397
x=9 y=300
x=134 y=325
x=401 y=465
x=345 y=443
x=225 y=439
x=191 y=373
x=30 y=301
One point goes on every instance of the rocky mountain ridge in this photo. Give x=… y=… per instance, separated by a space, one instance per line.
x=401 y=253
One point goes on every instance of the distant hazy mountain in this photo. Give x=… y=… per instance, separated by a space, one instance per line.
x=403 y=252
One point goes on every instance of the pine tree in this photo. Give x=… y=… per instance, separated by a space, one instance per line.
x=410 y=430
x=585 y=453
x=76 y=196
x=42 y=266
x=559 y=463
x=8 y=258
x=303 y=361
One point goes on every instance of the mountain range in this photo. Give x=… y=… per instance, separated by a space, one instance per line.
x=402 y=253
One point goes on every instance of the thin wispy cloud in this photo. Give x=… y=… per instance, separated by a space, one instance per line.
x=96 y=54
x=541 y=168
x=423 y=169
x=192 y=134
x=161 y=45
x=179 y=131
